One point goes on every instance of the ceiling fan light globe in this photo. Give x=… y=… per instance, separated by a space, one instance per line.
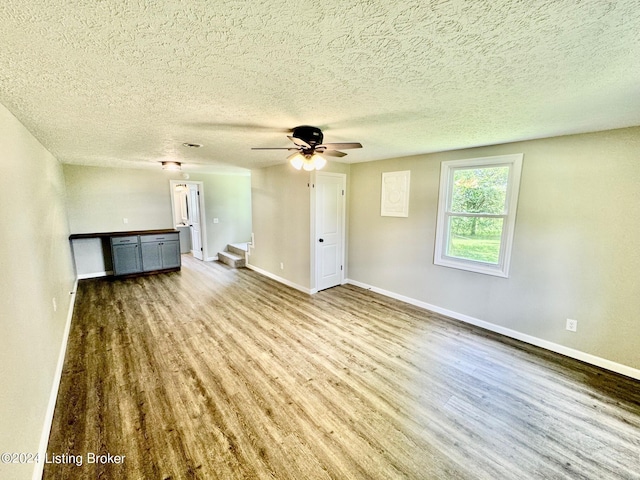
x=297 y=161
x=308 y=165
x=318 y=162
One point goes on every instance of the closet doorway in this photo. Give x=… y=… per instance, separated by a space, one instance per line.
x=187 y=207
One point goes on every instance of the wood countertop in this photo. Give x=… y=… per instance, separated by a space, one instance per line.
x=76 y=236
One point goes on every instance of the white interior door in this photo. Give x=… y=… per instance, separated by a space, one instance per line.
x=194 y=221
x=329 y=232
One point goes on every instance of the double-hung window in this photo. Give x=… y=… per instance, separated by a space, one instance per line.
x=477 y=213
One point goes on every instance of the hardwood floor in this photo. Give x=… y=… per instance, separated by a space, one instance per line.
x=219 y=373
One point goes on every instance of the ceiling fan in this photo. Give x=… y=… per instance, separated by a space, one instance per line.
x=309 y=149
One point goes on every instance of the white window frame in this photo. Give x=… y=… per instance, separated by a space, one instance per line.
x=448 y=168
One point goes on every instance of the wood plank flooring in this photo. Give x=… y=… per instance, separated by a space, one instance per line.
x=216 y=373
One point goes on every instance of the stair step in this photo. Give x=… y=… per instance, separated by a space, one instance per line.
x=237 y=248
x=231 y=259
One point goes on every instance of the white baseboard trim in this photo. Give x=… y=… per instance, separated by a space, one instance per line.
x=84 y=276
x=211 y=259
x=38 y=468
x=507 y=332
x=280 y=279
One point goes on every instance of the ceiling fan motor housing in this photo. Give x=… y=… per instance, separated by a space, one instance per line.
x=312 y=135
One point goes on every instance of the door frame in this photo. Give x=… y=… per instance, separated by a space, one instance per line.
x=314 y=246
x=203 y=223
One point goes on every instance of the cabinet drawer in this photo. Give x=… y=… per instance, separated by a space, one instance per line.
x=166 y=237
x=124 y=240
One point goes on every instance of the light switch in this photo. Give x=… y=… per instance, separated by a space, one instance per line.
x=215 y=220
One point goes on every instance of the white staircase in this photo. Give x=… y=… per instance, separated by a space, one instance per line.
x=234 y=255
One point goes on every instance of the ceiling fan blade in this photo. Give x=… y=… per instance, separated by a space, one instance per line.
x=298 y=141
x=342 y=146
x=333 y=153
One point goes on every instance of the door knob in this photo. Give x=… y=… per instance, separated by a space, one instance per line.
x=321 y=240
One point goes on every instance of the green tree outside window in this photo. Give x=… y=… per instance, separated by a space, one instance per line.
x=478 y=202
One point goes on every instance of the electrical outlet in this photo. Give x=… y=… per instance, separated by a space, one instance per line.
x=55 y=304
x=572 y=325
x=281 y=266
x=125 y=220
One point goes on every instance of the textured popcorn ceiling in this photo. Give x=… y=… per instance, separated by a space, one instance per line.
x=106 y=82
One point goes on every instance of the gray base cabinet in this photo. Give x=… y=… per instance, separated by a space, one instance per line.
x=125 y=253
x=134 y=254
x=160 y=252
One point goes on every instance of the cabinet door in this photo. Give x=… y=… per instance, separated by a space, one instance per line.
x=170 y=254
x=151 y=256
x=126 y=259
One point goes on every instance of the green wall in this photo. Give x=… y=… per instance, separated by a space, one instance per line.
x=37 y=270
